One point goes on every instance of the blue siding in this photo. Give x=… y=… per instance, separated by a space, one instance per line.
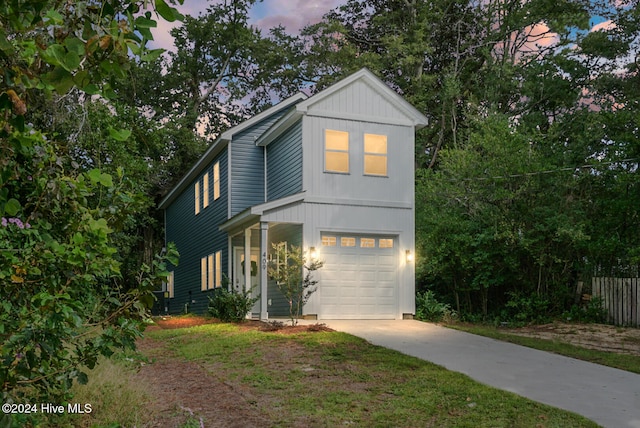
x=197 y=236
x=247 y=166
x=284 y=164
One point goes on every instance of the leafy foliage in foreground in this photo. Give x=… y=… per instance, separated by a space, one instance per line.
x=63 y=301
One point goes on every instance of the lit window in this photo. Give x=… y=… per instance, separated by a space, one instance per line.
x=328 y=241
x=336 y=151
x=386 y=243
x=375 y=154
x=210 y=272
x=205 y=190
x=169 y=285
x=367 y=243
x=216 y=181
x=197 y=197
x=347 y=242
x=218 y=269
x=203 y=274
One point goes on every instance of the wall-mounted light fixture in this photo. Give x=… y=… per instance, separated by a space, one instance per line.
x=409 y=256
x=313 y=254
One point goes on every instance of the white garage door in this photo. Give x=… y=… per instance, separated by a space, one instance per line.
x=359 y=277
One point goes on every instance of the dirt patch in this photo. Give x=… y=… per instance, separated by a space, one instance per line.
x=593 y=336
x=185 y=393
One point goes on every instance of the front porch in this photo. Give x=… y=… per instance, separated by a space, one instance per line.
x=254 y=241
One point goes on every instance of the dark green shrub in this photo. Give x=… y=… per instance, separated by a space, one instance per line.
x=429 y=309
x=526 y=308
x=231 y=306
x=593 y=312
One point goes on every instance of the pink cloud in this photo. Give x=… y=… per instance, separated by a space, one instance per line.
x=294 y=15
x=604 y=26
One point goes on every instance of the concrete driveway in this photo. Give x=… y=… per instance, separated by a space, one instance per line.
x=607 y=396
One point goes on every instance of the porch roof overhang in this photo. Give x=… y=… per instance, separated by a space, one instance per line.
x=252 y=214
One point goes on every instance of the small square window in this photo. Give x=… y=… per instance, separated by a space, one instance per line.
x=347 y=241
x=329 y=241
x=367 y=243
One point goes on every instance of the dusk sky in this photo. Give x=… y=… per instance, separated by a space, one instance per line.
x=293 y=14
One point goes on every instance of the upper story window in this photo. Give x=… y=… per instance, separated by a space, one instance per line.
x=205 y=190
x=336 y=151
x=375 y=154
x=197 y=196
x=216 y=181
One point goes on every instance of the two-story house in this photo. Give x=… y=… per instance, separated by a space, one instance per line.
x=333 y=173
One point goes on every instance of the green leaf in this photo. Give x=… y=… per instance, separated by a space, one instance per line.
x=94 y=175
x=119 y=134
x=75 y=45
x=106 y=180
x=12 y=207
x=152 y=55
x=60 y=79
x=5 y=45
x=169 y=13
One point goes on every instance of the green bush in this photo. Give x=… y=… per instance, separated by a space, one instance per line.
x=593 y=312
x=526 y=308
x=429 y=309
x=231 y=306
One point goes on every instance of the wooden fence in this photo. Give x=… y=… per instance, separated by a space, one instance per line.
x=620 y=297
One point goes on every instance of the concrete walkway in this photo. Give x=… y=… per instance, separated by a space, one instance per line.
x=607 y=396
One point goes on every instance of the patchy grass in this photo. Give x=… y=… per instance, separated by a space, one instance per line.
x=332 y=379
x=115 y=400
x=626 y=362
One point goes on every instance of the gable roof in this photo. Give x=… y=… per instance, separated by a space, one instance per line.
x=364 y=75
x=411 y=115
x=220 y=143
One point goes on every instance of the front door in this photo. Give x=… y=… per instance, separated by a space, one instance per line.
x=239 y=282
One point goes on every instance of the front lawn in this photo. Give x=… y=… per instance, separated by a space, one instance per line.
x=334 y=379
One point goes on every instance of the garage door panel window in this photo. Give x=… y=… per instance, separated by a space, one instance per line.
x=367 y=243
x=329 y=241
x=386 y=243
x=347 y=242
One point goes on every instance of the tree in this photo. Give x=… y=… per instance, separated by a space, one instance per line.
x=64 y=302
x=286 y=269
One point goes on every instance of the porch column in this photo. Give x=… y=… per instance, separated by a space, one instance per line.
x=247 y=259
x=264 y=257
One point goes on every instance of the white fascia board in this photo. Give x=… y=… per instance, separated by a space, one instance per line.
x=279 y=128
x=229 y=133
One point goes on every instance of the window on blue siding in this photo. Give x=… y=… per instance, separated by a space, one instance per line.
x=336 y=151
x=203 y=274
x=205 y=190
x=211 y=271
x=169 y=286
x=375 y=154
x=197 y=197
x=216 y=181
x=218 y=273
